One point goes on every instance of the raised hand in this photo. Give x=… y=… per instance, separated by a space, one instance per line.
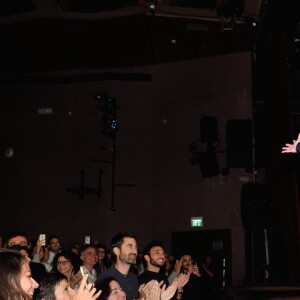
x=194 y=270
x=178 y=265
x=87 y=291
x=291 y=148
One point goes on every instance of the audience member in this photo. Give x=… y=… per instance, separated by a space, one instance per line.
x=17 y=238
x=75 y=248
x=167 y=268
x=41 y=253
x=20 y=239
x=68 y=263
x=16 y=281
x=89 y=258
x=110 y=289
x=102 y=264
x=154 y=259
x=54 y=247
x=193 y=289
x=55 y=286
x=124 y=253
x=208 y=276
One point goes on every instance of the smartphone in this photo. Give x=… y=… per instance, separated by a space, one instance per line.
x=42 y=239
x=193 y=262
x=83 y=272
x=87 y=239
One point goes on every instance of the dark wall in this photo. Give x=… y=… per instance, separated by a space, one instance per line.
x=158 y=120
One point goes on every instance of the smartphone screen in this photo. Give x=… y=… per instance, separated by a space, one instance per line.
x=83 y=272
x=87 y=239
x=42 y=239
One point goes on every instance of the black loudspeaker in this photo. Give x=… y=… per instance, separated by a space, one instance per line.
x=254 y=209
x=208 y=129
x=266 y=257
x=259 y=132
x=239 y=146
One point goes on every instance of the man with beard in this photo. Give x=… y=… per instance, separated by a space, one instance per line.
x=154 y=258
x=124 y=254
x=194 y=288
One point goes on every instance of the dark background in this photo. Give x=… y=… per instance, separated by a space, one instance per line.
x=167 y=68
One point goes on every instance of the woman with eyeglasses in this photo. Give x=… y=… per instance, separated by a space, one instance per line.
x=68 y=264
x=16 y=281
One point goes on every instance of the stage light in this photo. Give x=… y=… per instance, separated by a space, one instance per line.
x=109 y=125
x=106 y=103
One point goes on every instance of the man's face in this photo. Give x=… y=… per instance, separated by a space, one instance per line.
x=157 y=256
x=128 y=251
x=186 y=262
x=89 y=256
x=54 y=245
x=17 y=240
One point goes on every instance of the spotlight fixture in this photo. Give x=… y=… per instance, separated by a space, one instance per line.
x=106 y=103
x=45 y=111
x=228 y=11
x=152 y=6
x=108 y=106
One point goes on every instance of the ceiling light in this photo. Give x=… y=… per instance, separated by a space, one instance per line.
x=45 y=111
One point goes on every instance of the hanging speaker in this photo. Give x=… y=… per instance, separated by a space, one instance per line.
x=254 y=210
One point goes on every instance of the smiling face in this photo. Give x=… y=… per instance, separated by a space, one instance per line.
x=64 y=266
x=89 y=256
x=116 y=291
x=54 y=245
x=28 y=284
x=157 y=256
x=127 y=253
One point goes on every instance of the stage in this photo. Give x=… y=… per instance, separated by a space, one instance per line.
x=264 y=292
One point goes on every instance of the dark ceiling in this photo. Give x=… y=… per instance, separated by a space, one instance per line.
x=44 y=44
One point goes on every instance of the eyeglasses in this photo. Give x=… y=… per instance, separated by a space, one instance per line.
x=22 y=243
x=63 y=262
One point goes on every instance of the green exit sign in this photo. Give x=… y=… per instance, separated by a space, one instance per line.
x=197 y=221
